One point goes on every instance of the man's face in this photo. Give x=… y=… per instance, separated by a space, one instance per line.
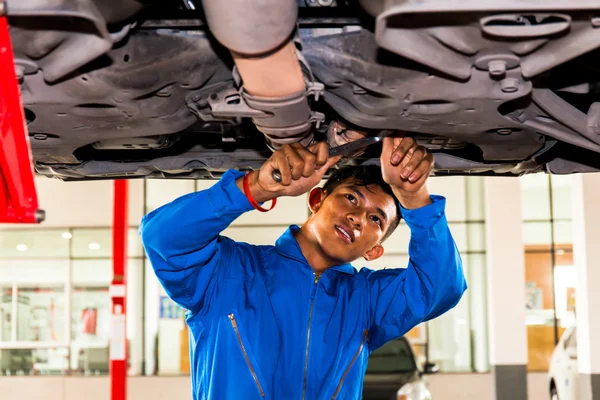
x=351 y=221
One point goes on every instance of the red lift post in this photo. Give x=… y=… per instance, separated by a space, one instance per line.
x=19 y=203
x=18 y=198
x=118 y=292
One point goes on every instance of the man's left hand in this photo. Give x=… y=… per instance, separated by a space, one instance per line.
x=405 y=166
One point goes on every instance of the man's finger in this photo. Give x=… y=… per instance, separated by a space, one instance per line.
x=415 y=159
x=421 y=181
x=421 y=170
x=310 y=160
x=322 y=151
x=401 y=150
x=281 y=163
x=294 y=161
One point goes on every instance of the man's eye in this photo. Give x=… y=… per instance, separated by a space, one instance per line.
x=376 y=219
x=350 y=197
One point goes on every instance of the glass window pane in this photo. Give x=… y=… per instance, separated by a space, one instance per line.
x=477 y=280
x=97 y=243
x=90 y=330
x=91 y=243
x=475 y=201
x=537 y=233
x=459 y=233
x=6 y=311
x=561 y=197
x=173 y=346
x=535 y=197
x=539 y=305
x=450 y=338
x=565 y=283
x=33 y=272
x=38 y=243
x=34 y=361
x=475 y=237
x=563 y=233
x=90 y=272
x=41 y=314
x=454 y=190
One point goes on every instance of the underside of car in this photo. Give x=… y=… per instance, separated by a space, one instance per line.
x=188 y=89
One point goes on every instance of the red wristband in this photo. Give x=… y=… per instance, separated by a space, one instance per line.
x=251 y=199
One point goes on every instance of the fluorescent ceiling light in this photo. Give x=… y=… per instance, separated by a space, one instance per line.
x=94 y=246
x=22 y=247
x=67 y=235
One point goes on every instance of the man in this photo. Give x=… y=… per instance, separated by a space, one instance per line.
x=296 y=320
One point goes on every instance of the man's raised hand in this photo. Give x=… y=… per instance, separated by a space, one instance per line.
x=301 y=169
x=405 y=166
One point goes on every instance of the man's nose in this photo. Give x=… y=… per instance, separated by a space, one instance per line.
x=356 y=220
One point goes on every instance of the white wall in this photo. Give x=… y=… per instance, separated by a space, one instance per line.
x=442 y=386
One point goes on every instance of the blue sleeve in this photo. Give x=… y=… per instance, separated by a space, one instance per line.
x=182 y=240
x=433 y=283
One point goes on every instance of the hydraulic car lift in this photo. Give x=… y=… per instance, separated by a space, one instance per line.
x=18 y=198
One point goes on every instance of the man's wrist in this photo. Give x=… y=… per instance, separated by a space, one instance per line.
x=258 y=193
x=413 y=200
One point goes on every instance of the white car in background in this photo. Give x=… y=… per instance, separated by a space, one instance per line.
x=563 y=374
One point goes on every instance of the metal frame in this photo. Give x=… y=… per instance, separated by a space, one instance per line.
x=18 y=197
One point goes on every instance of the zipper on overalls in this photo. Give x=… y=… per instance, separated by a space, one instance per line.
x=312 y=302
x=362 y=343
x=239 y=338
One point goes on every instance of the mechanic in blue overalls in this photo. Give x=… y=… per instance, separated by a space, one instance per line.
x=296 y=320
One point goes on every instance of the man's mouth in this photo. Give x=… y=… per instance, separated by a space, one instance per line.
x=346 y=234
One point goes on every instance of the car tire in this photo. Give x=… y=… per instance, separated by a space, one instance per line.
x=553 y=394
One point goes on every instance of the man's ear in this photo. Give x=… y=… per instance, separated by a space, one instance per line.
x=315 y=199
x=374 y=253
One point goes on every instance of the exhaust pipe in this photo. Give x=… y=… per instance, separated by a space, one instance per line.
x=259 y=36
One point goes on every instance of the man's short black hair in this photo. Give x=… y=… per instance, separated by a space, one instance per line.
x=364 y=175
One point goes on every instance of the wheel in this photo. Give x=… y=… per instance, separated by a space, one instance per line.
x=553 y=394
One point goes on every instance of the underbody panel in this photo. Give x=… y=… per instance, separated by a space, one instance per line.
x=143 y=89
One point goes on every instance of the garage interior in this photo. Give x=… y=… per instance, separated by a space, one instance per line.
x=82 y=314
x=528 y=244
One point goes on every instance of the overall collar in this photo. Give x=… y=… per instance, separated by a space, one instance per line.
x=288 y=246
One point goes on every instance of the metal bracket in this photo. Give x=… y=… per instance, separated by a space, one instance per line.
x=317 y=118
x=282 y=120
x=315 y=89
x=231 y=103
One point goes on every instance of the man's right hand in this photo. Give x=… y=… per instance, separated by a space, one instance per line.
x=301 y=169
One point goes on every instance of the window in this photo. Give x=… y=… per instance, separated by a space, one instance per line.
x=457 y=341
x=549 y=273
x=54 y=309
